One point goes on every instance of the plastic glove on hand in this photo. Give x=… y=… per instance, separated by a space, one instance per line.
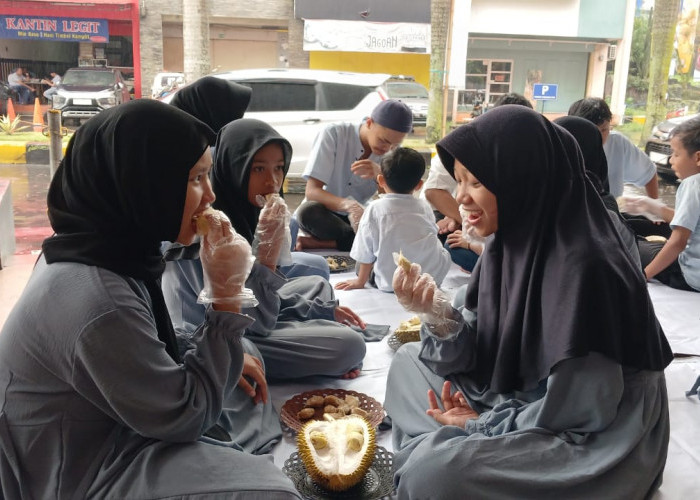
x=226 y=262
x=641 y=205
x=272 y=231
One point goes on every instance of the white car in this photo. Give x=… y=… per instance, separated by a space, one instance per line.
x=298 y=103
x=166 y=82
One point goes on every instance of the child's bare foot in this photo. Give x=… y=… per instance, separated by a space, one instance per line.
x=351 y=374
x=311 y=243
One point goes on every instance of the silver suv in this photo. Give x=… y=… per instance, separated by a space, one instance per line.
x=413 y=94
x=85 y=91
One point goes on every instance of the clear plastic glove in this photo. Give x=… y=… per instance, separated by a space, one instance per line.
x=272 y=241
x=354 y=210
x=642 y=205
x=419 y=294
x=226 y=263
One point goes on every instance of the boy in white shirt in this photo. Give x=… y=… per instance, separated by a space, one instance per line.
x=676 y=263
x=397 y=221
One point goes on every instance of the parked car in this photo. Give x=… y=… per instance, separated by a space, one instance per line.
x=658 y=147
x=85 y=91
x=300 y=102
x=413 y=94
x=166 y=83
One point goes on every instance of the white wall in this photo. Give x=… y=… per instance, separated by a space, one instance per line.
x=534 y=17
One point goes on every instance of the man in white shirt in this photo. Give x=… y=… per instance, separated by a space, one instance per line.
x=24 y=91
x=53 y=85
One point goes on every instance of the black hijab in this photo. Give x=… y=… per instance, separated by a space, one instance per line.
x=590 y=141
x=555 y=281
x=120 y=191
x=236 y=145
x=213 y=100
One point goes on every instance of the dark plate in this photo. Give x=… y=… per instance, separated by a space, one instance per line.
x=345 y=263
x=377 y=483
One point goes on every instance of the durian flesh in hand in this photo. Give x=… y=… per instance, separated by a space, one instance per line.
x=337 y=452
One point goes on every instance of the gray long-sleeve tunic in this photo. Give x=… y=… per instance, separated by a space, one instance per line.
x=92 y=405
x=293 y=329
x=592 y=429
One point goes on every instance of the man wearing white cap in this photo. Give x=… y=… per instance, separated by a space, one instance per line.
x=342 y=171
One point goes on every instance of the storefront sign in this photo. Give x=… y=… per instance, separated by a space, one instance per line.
x=363 y=36
x=54 y=29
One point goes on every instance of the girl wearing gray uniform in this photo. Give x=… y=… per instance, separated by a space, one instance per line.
x=95 y=401
x=556 y=355
x=299 y=327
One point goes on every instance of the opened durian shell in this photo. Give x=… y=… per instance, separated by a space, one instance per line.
x=337 y=452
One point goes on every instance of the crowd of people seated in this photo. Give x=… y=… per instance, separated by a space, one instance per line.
x=178 y=288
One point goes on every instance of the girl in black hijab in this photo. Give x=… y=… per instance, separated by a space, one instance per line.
x=556 y=355
x=299 y=328
x=590 y=141
x=87 y=357
x=213 y=100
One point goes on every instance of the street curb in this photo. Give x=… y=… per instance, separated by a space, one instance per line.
x=13 y=152
x=16 y=151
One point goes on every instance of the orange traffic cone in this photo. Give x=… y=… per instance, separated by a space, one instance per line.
x=10 y=110
x=38 y=119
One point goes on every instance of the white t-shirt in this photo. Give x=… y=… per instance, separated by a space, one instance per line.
x=438 y=178
x=14 y=79
x=626 y=164
x=687 y=215
x=399 y=222
x=336 y=148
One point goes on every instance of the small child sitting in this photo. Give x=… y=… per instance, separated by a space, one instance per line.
x=676 y=263
x=397 y=221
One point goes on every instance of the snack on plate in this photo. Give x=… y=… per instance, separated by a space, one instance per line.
x=409 y=330
x=337 y=452
x=331 y=405
x=336 y=265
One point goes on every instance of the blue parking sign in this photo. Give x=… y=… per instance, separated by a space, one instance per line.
x=544 y=91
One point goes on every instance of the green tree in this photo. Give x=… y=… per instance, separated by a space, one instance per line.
x=663 y=30
x=639 y=51
x=440 y=12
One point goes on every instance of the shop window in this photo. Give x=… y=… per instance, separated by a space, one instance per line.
x=486 y=80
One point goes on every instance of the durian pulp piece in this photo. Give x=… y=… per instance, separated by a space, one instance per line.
x=409 y=330
x=347 y=454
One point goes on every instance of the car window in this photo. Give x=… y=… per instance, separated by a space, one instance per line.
x=281 y=96
x=406 y=90
x=340 y=96
x=96 y=78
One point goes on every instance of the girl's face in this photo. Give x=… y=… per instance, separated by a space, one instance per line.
x=199 y=197
x=266 y=172
x=605 y=128
x=478 y=202
x=684 y=164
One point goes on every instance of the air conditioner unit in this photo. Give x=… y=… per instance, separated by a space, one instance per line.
x=612 y=52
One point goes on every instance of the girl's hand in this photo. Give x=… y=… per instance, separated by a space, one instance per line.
x=253 y=368
x=270 y=232
x=347 y=316
x=349 y=285
x=226 y=261
x=414 y=291
x=456 y=409
x=455 y=240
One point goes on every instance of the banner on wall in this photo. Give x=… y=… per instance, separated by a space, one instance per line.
x=54 y=29
x=362 y=36
x=685 y=37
